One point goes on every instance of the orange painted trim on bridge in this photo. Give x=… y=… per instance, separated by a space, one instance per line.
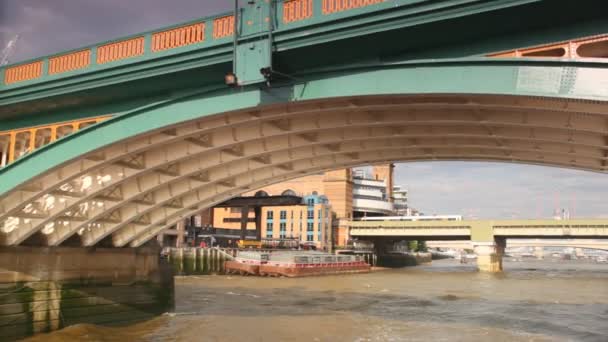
x=28 y=139
x=296 y=10
x=333 y=6
x=120 y=50
x=181 y=36
x=69 y=62
x=223 y=27
x=587 y=47
x=24 y=72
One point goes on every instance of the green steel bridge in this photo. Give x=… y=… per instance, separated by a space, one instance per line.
x=108 y=145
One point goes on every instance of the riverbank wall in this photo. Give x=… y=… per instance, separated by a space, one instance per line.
x=45 y=289
x=205 y=261
x=404 y=259
x=199 y=261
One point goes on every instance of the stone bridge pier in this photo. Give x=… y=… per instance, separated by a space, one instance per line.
x=488 y=248
x=48 y=288
x=489 y=255
x=539 y=253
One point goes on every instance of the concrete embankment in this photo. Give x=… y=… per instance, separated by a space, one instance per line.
x=45 y=289
x=199 y=261
x=404 y=259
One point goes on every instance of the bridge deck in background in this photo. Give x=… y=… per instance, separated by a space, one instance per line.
x=465 y=229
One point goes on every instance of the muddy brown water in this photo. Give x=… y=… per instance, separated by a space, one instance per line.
x=445 y=301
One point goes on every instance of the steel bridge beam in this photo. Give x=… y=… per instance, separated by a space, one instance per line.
x=137 y=174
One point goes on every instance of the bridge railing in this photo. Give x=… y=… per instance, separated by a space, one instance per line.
x=128 y=50
x=197 y=34
x=588 y=47
x=218 y=30
x=19 y=142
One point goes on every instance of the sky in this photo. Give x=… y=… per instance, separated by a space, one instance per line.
x=472 y=189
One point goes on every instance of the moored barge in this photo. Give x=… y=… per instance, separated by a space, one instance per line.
x=295 y=264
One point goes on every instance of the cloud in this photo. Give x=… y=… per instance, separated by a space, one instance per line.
x=48 y=27
x=501 y=190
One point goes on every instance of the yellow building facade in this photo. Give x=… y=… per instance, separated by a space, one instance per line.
x=309 y=222
x=336 y=186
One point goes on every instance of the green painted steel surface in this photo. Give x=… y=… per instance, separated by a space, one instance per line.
x=254 y=48
x=549 y=78
x=395 y=30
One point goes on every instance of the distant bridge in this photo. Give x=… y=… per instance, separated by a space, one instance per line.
x=488 y=238
x=480 y=230
x=575 y=243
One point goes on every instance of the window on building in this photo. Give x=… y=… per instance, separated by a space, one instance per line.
x=283 y=214
x=288 y=192
x=310 y=227
x=311 y=214
x=310 y=202
x=261 y=193
x=309 y=238
x=320 y=213
x=283 y=226
x=269 y=230
x=269 y=234
x=270 y=214
x=300 y=214
x=292 y=214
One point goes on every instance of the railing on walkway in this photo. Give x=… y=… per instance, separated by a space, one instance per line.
x=588 y=47
x=19 y=142
x=202 y=32
x=217 y=30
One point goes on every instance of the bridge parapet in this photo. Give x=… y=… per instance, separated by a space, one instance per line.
x=588 y=47
x=485 y=230
x=133 y=49
x=19 y=142
x=340 y=32
x=487 y=238
x=199 y=33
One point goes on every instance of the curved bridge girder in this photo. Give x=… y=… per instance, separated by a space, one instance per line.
x=137 y=174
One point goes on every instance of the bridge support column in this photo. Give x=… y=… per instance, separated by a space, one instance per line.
x=539 y=252
x=44 y=289
x=489 y=255
x=489 y=249
x=181 y=230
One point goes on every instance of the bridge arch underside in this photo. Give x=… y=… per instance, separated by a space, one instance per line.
x=124 y=194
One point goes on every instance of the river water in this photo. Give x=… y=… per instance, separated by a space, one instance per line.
x=445 y=301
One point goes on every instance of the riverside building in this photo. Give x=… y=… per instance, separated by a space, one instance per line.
x=345 y=194
x=310 y=221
